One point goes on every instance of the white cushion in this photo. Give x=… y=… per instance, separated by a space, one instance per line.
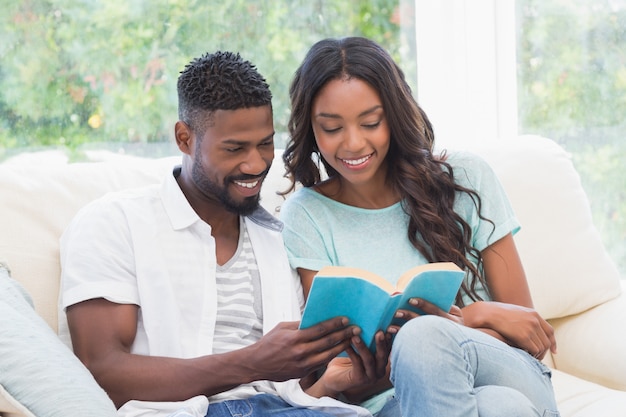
x=37 y=204
x=568 y=269
x=36 y=368
x=567 y=266
x=579 y=398
x=592 y=346
x=39 y=200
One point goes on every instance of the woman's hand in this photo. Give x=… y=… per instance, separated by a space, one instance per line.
x=519 y=326
x=402 y=316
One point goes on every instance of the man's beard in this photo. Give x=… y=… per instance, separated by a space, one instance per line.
x=220 y=192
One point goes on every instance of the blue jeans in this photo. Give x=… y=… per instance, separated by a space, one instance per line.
x=439 y=368
x=258 y=406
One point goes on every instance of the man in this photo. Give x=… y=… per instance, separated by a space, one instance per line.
x=180 y=295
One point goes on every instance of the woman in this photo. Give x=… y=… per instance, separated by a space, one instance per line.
x=376 y=197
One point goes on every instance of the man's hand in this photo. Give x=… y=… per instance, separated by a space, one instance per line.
x=360 y=374
x=103 y=332
x=287 y=352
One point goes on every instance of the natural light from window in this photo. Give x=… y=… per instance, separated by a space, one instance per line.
x=88 y=80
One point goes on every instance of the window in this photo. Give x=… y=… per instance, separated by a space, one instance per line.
x=492 y=69
x=80 y=76
x=572 y=88
x=77 y=76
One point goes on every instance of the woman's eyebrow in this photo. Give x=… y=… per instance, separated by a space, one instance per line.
x=336 y=116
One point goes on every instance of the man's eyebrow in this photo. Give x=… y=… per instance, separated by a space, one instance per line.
x=241 y=142
x=363 y=113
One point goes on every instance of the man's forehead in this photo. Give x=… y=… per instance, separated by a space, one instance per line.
x=241 y=126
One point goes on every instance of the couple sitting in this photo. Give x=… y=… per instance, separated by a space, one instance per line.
x=182 y=298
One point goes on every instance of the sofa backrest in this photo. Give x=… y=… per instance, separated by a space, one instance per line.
x=567 y=266
x=38 y=199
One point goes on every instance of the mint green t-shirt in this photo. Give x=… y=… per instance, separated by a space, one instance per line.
x=320 y=231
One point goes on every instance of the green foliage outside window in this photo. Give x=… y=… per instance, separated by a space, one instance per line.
x=572 y=88
x=77 y=72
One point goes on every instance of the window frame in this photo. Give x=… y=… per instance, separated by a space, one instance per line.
x=466 y=69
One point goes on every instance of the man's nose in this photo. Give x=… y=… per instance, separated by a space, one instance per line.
x=254 y=163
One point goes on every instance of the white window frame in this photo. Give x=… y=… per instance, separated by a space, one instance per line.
x=466 y=69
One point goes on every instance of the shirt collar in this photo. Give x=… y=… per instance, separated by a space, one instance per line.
x=182 y=215
x=178 y=209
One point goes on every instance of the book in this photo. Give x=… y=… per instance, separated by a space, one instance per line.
x=370 y=301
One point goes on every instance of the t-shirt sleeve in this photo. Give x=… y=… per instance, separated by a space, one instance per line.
x=497 y=216
x=97 y=257
x=306 y=245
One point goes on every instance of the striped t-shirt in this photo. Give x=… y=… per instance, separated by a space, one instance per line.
x=239 y=311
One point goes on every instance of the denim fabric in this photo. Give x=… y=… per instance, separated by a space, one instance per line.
x=440 y=368
x=259 y=406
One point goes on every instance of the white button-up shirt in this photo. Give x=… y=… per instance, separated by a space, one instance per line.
x=148 y=247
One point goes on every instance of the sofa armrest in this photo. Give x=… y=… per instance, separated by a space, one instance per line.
x=592 y=344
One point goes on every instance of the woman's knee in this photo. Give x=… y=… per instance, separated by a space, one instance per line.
x=498 y=401
x=425 y=337
x=426 y=332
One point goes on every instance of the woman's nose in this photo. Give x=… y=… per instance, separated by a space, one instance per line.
x=353 y=139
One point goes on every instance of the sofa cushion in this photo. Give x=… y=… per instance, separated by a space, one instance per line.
x=579 y=398
x=590 y=346
x=39 y=201
x=561 y=249
x=38 y=370
x=567 y=266
x=39 y=198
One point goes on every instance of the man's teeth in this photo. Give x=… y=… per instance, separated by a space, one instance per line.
x=247 y=184
x=357 y=161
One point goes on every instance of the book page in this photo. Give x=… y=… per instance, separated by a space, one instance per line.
x=406 y=277
x=349 y=272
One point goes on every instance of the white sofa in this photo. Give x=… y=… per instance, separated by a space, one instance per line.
x=574 y=283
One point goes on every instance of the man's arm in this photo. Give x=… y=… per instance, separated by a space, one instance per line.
x=103 y=333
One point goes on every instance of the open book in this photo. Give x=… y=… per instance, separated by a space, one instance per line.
x=370 y=301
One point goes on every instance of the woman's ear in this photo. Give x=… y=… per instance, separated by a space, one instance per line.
x=184 y=136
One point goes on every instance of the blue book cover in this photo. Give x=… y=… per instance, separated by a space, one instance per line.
x=370 y=301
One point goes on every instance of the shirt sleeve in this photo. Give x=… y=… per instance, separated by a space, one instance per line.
x=497 y=218
x=97 y=257
x=307 y=246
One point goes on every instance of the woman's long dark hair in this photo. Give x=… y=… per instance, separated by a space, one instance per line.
x=425 y=181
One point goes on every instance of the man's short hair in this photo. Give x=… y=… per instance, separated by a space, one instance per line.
x=219 y=81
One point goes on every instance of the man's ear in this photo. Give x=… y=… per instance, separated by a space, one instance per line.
x=184 y=136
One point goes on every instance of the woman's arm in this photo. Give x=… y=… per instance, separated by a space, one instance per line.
x=510 y=315
x=306 y=277
x=505 y=274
